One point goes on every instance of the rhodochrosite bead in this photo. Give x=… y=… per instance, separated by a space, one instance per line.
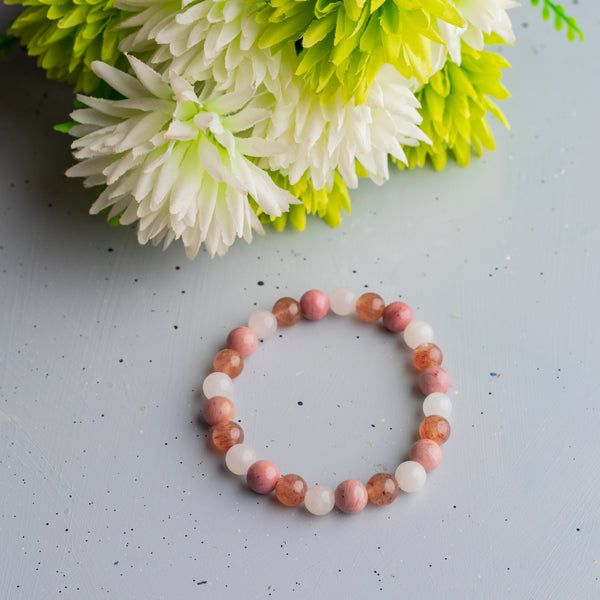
x=287 y=312
x=434 y=379
x=319 y=500
x=369 y=307
x=427 y=453
x=351 y=496
x=397 y=316
x=314 y=305
x=243 y=340
x=435 y=428
x=427 y=355
x=262 y=476
x=342 y=301
x=291 y=489
x=227 y=434
x=217 y=410
x=382 y=489
x=263 y=323
x=229 y=362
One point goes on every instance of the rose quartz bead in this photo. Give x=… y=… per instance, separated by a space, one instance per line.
x=396 y=316
x=243 y=340
x=417 y=333
x=218 y=410
x=411 y=476
x=314 y=305
x=342 y=301
x=437 y=404
x=427 y=453
x=351 y=496
x=229 y=362
x=382 y=489
x=369 y=307
x=287 y=312
x=262 y=476
x=263 y=323
x=291 y=489
x=434 y=379
x=227 y=434
x=319 y=500
x=427 y=355
x=434 y=428
x=217 y=384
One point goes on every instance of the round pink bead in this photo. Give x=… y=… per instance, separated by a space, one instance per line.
x=434 y=379
x=243 y=340
x=351 y=496
x=263 y=476
x=427 y=453
x=314 y=304
x=396 y=316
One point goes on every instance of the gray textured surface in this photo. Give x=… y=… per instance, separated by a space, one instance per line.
x=108 y=486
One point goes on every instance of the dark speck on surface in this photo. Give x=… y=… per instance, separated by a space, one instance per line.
x=260 y=283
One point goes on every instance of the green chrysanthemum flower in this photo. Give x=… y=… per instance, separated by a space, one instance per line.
x=327 y=204
x=455 y=103
x=67 y=35
x=346 y=43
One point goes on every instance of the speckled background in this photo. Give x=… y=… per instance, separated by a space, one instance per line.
x=108 y=486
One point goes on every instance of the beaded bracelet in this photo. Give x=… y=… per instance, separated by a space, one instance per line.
x=351 y=495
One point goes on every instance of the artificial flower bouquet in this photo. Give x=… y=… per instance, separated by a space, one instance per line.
x=204 y=120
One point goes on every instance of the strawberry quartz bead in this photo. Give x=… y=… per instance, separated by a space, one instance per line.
x=427 y=355
x=434 y=379
x=434 y=428
x=382 y=489
x=218 y=410
x=396 y=316
x=227 y=434
x=369 y=307
x=427 y=453
x=229 y=362
x=314 y=305
x=243 y=340
x=291 y=489
x=262 y=477
x=287 y=312
x=351 y=496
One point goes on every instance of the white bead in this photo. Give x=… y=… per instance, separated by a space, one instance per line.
x=410 y=476
x=417 y=333
x=342 y=301
x=239 y=458
x=319 y=500
x=437 y=404
x=263 y=323
x=217 y=384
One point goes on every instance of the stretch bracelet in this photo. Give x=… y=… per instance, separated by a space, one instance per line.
x=351 y=495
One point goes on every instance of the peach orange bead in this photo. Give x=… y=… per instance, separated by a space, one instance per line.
x=227 y=434
x=287 y=312
x=434 y=428
x=369 y=307
x=351 y=496
x=427 y=453
x=314 y=305
x=427 y=355
x=229 y=362
x=434 y=379
x=382 y=489
x=290 y=490
x=396 y=316
x=218 y=410
x=243 y=340
x=262 y=476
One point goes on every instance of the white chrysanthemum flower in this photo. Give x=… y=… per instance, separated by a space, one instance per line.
x=169 y=157
x=481 y=17
x=204 y=40
x=326 y=137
